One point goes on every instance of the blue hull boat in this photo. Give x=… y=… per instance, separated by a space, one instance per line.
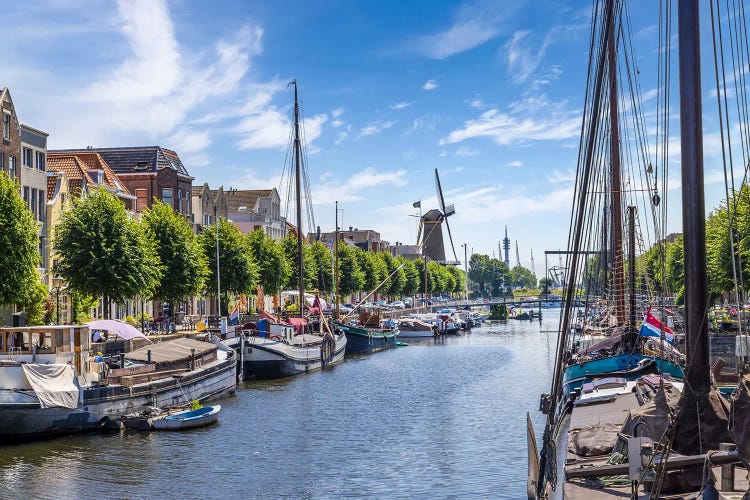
x=188 y=419
x=364 y=340
x=623 y=365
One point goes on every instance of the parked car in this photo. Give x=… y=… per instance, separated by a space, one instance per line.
x=397 y=304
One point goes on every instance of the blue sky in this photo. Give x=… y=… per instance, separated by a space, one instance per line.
x=490 y=93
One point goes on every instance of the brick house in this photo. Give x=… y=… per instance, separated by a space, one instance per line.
x=149 y=172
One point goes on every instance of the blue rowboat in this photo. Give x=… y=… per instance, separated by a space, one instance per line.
x=188 y=419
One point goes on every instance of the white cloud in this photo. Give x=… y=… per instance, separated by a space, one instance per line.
x=467 y=152
x=151 y=89
x=473 y=25
x=186 y=140
x=477 y=103
x=400 y=105
x=557 y=177
x=522 y=59
x=531 y=119
x=430 y=85
x=375 y=128
x=337 y=112
x=514 y=164
x=357 y=186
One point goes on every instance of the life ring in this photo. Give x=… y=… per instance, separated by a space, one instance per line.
x=275 y=337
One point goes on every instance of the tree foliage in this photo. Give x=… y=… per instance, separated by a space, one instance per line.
x=322 y=258
x=19 y=242
x=351 y=277
x=102 y=251
x=238 y=270
x=289 y=245
x=185 y=265
x=273 y=268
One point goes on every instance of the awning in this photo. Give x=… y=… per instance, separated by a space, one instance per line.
x=54 y=384
x=119 y=328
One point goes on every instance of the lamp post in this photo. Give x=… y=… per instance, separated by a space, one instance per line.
x=57 y=304
x=466 y=275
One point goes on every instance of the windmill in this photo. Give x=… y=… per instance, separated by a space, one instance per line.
x=430 y=228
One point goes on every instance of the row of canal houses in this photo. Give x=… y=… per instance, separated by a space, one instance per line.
x=49 y=179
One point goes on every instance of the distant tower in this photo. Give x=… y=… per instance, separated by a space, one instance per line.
x=533 y=270
x=518 y=256
x=506 y=247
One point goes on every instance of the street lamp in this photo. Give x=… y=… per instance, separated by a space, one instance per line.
x=57 y=290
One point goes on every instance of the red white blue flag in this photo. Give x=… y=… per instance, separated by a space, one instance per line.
x=652 y=327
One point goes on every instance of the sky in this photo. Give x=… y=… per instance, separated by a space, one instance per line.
x=488 y=92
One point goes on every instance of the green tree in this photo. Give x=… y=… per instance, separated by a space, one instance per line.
x=395 y=284
x=185 y=265
x=480 y=271
x=373 y=268
x=18 y=239
x=289 y=245
x=35 y=304
x=238 y=271
x=411 y=286
x=274 y=268
x=323 y=258
x=676 y=269
x=351 y=277
x=458 y=279
x=522 y=277
x=545 y=283
x=102 y=251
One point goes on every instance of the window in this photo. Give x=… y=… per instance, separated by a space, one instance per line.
x=6 y=126
x=166 y=196
x=40 y=161
x=12 y=167
x=42 y=204
x=26 y=195
x=141 y=200
x=179 y=200
x=32 y=205
x=206 y=220
x=28 y=157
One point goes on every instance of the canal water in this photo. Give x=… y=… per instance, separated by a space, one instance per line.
x=440 y=418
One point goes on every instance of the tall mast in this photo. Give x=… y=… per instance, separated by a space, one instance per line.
x=336 y=261
x=693 y=205
x=616 y=209
x=298 y=176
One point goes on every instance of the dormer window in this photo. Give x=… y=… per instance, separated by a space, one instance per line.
x=98 y=177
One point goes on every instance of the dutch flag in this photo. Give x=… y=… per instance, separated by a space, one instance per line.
x=652 y=327
x=234 y=318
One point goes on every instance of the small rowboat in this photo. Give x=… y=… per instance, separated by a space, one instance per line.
x=188 y=419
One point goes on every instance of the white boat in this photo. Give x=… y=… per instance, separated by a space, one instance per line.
x=189 y=419
x=414 y=328
x=51 y=385
x=280 y=352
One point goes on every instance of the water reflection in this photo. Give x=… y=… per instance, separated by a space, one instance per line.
x=442 y=417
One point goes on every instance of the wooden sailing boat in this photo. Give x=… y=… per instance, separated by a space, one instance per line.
x=289 y=348
x=652 y=436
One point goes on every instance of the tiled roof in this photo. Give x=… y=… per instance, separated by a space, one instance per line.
x=245 y=198
x=131 y=160
x=79 y=168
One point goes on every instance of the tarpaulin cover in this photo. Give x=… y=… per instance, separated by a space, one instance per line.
x=594 y=441
x=119 y=328
x=740 y=423
x=702 y=421
x=54 y=384
x=299 y=324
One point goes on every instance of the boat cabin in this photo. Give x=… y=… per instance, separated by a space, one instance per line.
x=45 y=344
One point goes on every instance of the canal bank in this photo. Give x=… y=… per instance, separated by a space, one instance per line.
x=438 y=418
